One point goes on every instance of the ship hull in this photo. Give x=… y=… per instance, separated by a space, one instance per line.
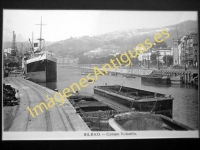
x=42 y=71
x=155 y=80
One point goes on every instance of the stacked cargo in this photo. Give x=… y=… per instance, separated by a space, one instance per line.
x=10 y=95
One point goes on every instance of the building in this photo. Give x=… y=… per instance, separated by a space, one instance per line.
x=188 y=48
x=195 y=49
x=145 y=57
x=163 y=52
x=8 y=50
x=176 y=52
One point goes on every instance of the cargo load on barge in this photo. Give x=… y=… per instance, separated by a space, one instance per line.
x=93 y=112
x=140 y=121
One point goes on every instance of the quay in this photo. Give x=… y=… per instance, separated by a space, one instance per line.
x=185 y=76
x=56 y=118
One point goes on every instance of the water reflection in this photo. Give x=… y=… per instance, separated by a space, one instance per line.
x=189 y=86
x=155 y=84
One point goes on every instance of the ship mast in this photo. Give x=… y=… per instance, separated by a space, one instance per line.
x=32 y=42
x=40 y=39
x=178 y=41
x=14 y=47
x=177 y=33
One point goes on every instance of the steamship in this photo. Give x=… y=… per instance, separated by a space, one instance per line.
x=40 y=65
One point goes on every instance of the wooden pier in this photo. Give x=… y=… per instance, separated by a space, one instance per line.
x=56 y=118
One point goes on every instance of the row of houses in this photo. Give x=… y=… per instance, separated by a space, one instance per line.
x=161 y=51
x=184 y=51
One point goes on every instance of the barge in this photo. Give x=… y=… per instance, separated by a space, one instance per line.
x=94 y=113
x=156 y=79
x=137 y=99
x=140 y=121
x=87 y=103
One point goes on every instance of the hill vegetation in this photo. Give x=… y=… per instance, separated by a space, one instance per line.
x=125 y=40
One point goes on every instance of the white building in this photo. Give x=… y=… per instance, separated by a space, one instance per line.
x=144 y=56
x=163 y=52
x=8 y=50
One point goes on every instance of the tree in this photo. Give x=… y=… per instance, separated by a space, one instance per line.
x=168 y=60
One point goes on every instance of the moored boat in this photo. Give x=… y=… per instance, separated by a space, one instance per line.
x=84 y=102
x=129 y=76
x=138 y=99
x=93 y=112
x=40 y=65
x=90 y=80
x=114 y=74
x=156 y=79
x=86 y=73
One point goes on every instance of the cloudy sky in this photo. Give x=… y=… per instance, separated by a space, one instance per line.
x=62 y=24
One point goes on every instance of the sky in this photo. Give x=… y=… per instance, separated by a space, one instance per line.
x=63 y=24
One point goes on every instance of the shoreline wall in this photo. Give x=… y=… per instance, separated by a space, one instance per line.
x=134 y=71
x=126 y=70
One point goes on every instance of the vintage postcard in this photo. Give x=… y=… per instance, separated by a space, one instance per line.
x=99 y=74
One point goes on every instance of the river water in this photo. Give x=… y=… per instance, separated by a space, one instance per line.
x=185 y=104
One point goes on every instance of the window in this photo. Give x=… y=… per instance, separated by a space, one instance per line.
x=35 y=44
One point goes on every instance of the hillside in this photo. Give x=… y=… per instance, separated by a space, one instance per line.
x=75 y=46
x=123 y=40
